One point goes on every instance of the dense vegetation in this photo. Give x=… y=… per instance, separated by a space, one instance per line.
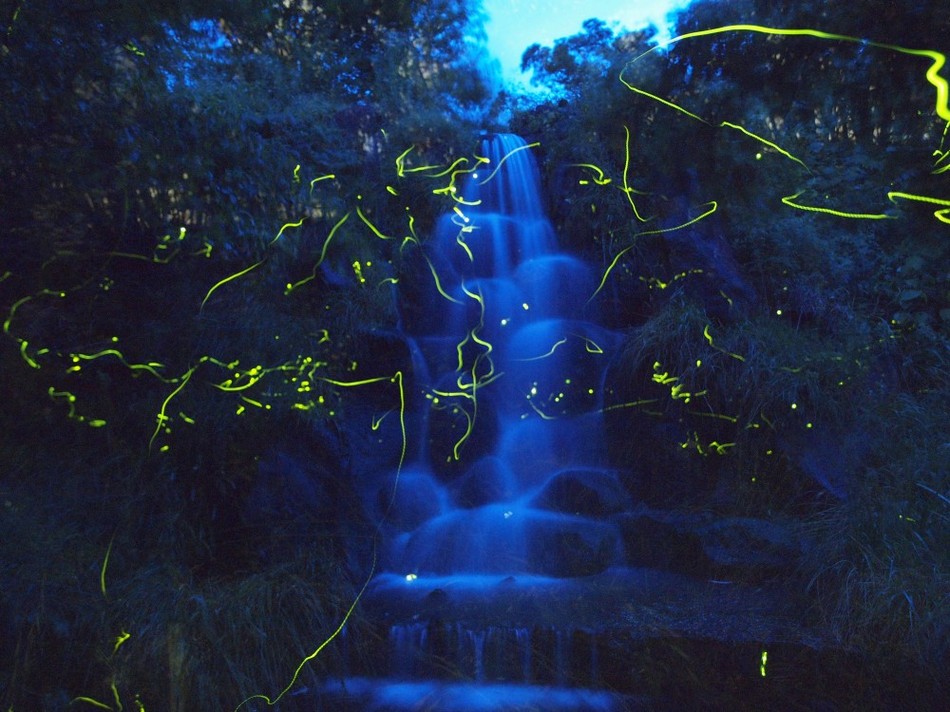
x=176 y=526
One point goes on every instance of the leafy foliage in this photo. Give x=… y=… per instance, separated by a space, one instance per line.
x=822 y=291
x=189 y=198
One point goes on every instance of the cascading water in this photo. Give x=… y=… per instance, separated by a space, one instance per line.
x=502 y=554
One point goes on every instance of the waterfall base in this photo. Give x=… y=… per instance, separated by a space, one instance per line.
x=363 y=695
x=625 y=639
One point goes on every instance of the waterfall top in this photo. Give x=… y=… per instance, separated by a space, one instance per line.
x=508 y=183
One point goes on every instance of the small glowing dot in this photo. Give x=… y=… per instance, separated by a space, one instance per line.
x=509 y=514
x=794 y=406
x=475 y=176
x=808 y=425
x=534 y=391
x=758 y=156
x=778 y=312
x=504 y=322
x=411 y=577
x=525 y=306
x=590 y=391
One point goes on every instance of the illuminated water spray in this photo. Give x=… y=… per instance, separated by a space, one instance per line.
x=515 y=376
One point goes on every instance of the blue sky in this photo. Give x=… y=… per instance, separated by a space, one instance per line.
x=514 y=25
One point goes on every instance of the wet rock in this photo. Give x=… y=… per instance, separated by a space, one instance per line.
x=653 y=543
x=587 y=492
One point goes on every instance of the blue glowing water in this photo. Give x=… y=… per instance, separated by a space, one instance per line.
x=510 y=319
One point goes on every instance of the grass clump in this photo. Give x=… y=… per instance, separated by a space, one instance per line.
x=879 y=563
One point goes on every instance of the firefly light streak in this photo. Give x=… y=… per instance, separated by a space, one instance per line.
x=937 y=60
x=627 y=190
x=164 y=251
x=505 y=158
x=291 y=286
x=712 y=206
x=770 y=144
x=468 y=390
x=941 y=108
x=599 y=177
x=254 y=266
x=789 y=201
x=942 y=214
x=24 y=343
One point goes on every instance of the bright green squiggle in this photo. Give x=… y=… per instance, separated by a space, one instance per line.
x=461 y=243
x=599 y=178
x=943 y=214
x=375 y=230
x=72 y=414
x=590 y=346
x=328 y=176
x=788 y=200
x=506 y=157
x=438 y=283
x=401 y=161
x=323 y=254
x=545 y=355
x=161 y=417
x=91 y=701
x=451 y=169
x=632 y=404
x=768 y=143
x=284 y=227
x=933 y=72
x=469 y=381
x=105 y=565
x=24 y=344
x=661 y=100
x=627 y=190
x=252 y=267
x=230 y=278
x=151 y=366
x=941 y=154
x=713 y=207
x=120 y=640
x=709 y=338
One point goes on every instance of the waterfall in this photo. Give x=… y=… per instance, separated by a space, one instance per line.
x=501 y=520
x=522 y=399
